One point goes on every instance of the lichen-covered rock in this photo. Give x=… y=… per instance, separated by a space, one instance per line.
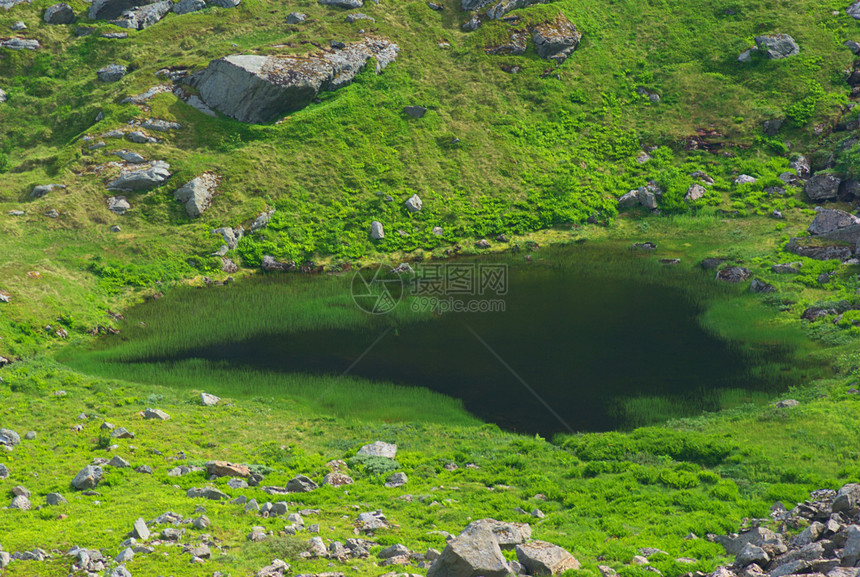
x=253 y=88
x=515 y=44
x=734 y=274
x=59 y=14
x=776 y=46
x=118 y=204
x=830 y=220
x=89 y=477
x=21 y=44
x=197 y=194
x=556 y=40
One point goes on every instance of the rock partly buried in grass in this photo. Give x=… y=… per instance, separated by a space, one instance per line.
x=89 y=478
x=542 y=558
x=270 y=264
x=556 y=40
x=20 y=44
x=4 y=471
x=208 y=400
x=812 y=247
x=156 y=414
x=377 y=232
x=514 y=45
x=507 y=535
x=118 y=205
x=257 y=89
x=59 y=14
x=121 y=433
x=822 y=186
x=760 y=286
x=143 y=179
x=301 y=484
x=139 y=530
x=55 y=499
x=378 y=449
x=786 y=404
x=695 y=192
x=108 y=9
x=112 y=73
x=371 y=521
x=348 y=4
x=396 y=480
x=197 y=194
x=42 y=189
x=296 y=17
x=776 y=46
x=337 y=479
x=474 y=553
x=226 y=469
x=9 y=438
x=20 y=502
x=734 y=274
x=206 y=493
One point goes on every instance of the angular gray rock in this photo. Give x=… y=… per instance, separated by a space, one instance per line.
x=542 y=558
x=415 y=111
x=301 y=484
x=43 y=189
x=695 y=192
x=751 y=554
x=142 y=179
x=160 y=125
x=471 y=554
x=208 y=400
x=118 y=204
x=140 y=530
x=108 y=9
x=759 y=286
x=413 y=203
x=259 y=89
x=776 y=46
x=356 y=16
x=847 y=498
x=88 y=478
x=822 y=186
x=337 y=479
x=55 y=499
x=734 y=274
x=9 y=438
x=20 y=502
x=188 y=6
x=507 y=535
x=156 y=414
x=225 y=3
x=59 y=14
x=112 y=73
x=376 y=230
x=206 y=493
x=556 y=40
x=396 y=480
x=197 y=194
x=296 y=17
x=143 y=17
x=18 y=25
x=830 y=220
x=129 y=156
x=378 y=449
x=629 y=200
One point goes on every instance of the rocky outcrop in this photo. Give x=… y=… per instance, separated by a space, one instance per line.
x=21 y=44
x=188 y=6
x=776 y=46
x=516 y=44
x=495 y=9
x=197 y=194
x=143 y=17
x=144 y=179
x=474 y=553
x=816 y=249
x=112 y=73
x=556 y=40
x=734 y=274
x=829 y=220
x=257 y=89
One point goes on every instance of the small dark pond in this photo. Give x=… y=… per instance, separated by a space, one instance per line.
x=566 y=350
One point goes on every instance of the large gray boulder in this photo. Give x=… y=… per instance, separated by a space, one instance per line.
x=109 y=9
x=473 y=553
x=847 y=498
x=59 y=14
x=88 y=478
x=822 y=186
x=542 y=558
x=556 y=40
x=507 y=535
x=253 y=88
x=197 y=194
x=144 y=179
x=143 y=17
x=830 y=220
x=776 y=46
x=854 y=10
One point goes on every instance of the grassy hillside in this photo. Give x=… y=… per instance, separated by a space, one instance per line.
x=537 y=149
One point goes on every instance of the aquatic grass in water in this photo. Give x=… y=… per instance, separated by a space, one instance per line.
x=606 y=337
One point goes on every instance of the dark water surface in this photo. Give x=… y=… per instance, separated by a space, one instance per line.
x=565 y=351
